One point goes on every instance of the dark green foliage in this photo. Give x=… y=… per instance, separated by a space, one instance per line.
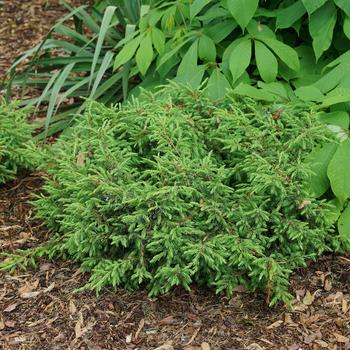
x=175 y=189
x=15 y=140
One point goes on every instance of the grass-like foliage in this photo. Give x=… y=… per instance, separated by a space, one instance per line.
x=175 y=189
x=15 y=138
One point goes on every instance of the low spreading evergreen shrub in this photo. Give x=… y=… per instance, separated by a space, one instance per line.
x=15 y=138
x=174 y=189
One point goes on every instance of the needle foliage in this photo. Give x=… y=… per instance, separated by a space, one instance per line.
x=173 y=189
x=15 y=139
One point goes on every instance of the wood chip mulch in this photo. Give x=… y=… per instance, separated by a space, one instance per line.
x=23 y=23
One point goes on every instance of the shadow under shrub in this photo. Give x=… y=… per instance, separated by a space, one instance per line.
x=15 y=140
x=174 y=189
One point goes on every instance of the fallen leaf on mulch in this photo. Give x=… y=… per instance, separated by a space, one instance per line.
x=29 y=295
x=167 y=320
x=275 y=324
x=308 y=339
x=141 y=325
x=165 y=346
x=10 y=324
x=340 y=338
x=321 y=343
x=205 y=346
x=72 y=307
x=11 y=307
x=308 y=298
x=49 y=288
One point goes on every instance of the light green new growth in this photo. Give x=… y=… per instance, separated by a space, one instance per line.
x=175 y=189
x=15 y=138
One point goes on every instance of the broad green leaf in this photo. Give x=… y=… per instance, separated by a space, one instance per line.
x=339 y=171
x=213 y=13
x=333 y=78
x=240 y=59
x=321 y=26
x=334 y=210
x=127 y=52
x=346 y=27
x=288 y=55
x=197 y=6
x=286 y=17
x=217 y=84
x=341 y=134
x=158 y=39
x=253 y=92
x=266 y=62
x=260 y=31
x=194 y=79
x=336 y=96
x=188 y=66
x=169 y=54
x=219 y=31
x=312 y=5
x=144 y=54
x=309 y=93
x=339 y=118
x=318 y=162
x=275 y=88
x=206 y=49
x=344 y=5
x=344 y=226
x=344 y=58
x=242 y=10
x=107 y=17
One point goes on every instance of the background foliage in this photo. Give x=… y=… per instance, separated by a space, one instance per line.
x=176 y=188
x=270 y=50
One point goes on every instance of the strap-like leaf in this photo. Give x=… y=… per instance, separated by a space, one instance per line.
x=55 y=93
x=107 y=17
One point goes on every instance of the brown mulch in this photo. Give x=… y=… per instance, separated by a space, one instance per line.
x=24 y=23
x=41 y=308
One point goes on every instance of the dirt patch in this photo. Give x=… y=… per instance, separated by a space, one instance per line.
x=40 y=308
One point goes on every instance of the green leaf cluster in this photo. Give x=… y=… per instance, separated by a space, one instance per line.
x=15 y=141
x=175 y=188
x=270 y=50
